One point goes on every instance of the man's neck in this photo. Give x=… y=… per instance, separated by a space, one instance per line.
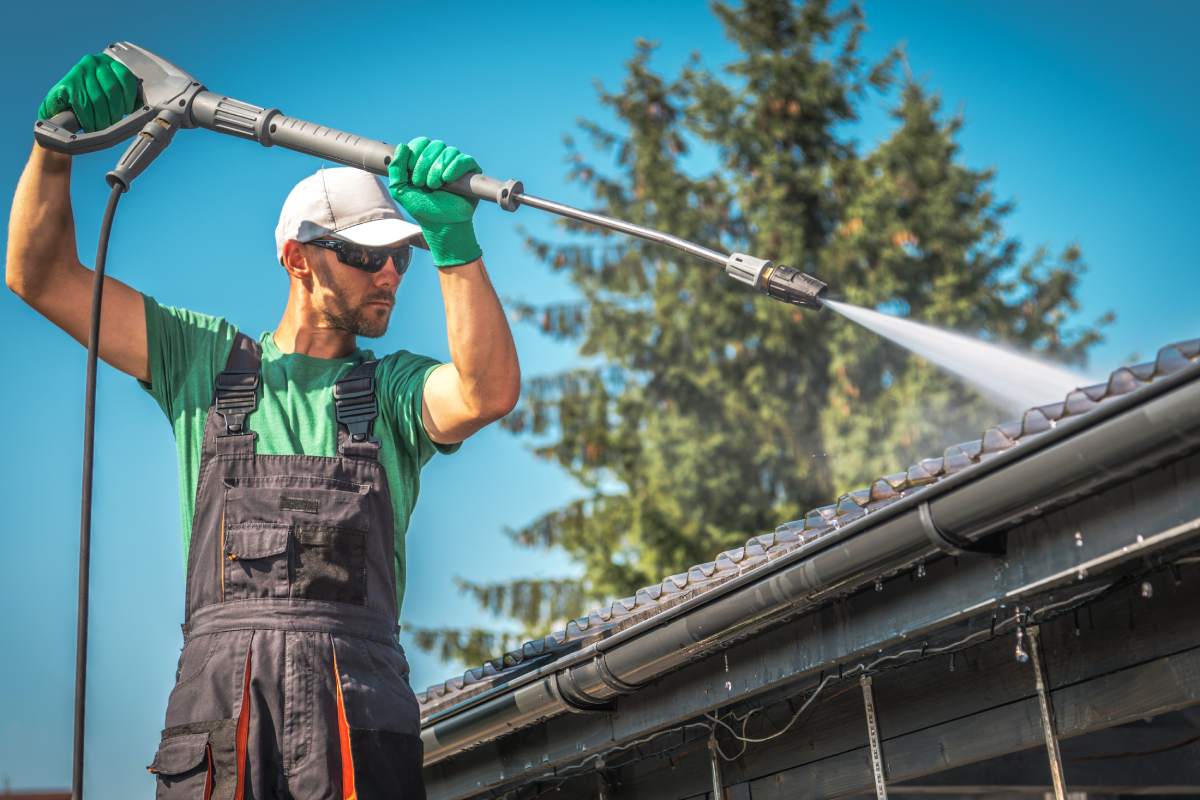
x=295 y=335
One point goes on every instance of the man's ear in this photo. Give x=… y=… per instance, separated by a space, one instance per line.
x=295 y=261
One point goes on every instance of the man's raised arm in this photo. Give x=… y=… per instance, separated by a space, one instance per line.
x=42 y=265
x=483 y=381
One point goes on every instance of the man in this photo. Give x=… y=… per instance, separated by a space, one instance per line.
x=299 y=457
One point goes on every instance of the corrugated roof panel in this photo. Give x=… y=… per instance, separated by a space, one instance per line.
x=957 y=459
x=995 y=440
x=1034 y=422
x=1170 y=359
x=1080 y=402
x=881 y=490
x=1053 y=411
x=1123 y=381
x=919 y=475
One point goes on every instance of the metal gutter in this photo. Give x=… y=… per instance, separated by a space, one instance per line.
x=1077 y=456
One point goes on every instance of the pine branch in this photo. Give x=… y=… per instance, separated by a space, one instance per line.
x=473 y=646
x=535 y=603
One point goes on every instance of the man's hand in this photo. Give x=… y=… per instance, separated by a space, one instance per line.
x=416 y=174
x=99 y=89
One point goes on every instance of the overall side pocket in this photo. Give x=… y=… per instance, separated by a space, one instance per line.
x=196 y=761
x=182 y=768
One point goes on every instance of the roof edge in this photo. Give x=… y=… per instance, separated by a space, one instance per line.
x=1081 y=454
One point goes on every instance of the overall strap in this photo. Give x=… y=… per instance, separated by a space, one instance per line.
x=236 y=396
x=355 y=408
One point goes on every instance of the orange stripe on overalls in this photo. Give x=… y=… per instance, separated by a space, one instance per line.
x=243 y=732
x=348 y=791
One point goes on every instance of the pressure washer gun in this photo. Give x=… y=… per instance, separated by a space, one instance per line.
x=172 y=99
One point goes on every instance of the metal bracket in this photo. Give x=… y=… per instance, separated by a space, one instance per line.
x=714 y=760
x=954 y=544
x=1047 y=708
x=873 y=737
x=603 y=790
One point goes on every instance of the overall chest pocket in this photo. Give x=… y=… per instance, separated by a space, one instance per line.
x=330 y=564
x=256 y=560
x=295 y=536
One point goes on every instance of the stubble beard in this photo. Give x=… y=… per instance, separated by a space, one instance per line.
x=359 y=320
x=371 y=323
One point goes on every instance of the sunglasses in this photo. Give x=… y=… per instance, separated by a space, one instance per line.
x=368 y=259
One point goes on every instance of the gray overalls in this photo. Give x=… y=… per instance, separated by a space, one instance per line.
x=291 y=683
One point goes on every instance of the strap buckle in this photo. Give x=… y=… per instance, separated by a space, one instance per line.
x=355 y=406
x=237 y=397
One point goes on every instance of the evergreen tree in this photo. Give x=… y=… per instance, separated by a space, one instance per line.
x=711 y=409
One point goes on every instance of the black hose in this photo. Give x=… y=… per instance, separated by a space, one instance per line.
x=85 y=510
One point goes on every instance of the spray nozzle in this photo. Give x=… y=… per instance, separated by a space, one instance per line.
x=778 y=281
x=793 y=286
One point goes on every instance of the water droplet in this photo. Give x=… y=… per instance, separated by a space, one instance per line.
x=952 y=662
x=1078 y=539
x=921 y=570
x=879 y=584
x=1147 y=589
x=1080 y=574
x=728 y=686
x=1140 y=538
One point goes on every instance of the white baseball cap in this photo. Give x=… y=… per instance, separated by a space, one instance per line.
x=345 y=201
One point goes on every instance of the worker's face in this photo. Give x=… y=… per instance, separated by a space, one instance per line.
x=350 y=299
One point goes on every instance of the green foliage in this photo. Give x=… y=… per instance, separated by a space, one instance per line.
x=473 y=646
x=718 y=413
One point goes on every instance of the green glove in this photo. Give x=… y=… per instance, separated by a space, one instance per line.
x=415 y=177
x=99 y=89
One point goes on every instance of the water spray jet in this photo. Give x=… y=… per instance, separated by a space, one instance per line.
x=1016 y=380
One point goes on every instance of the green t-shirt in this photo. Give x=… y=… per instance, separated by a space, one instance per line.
x=295 y=415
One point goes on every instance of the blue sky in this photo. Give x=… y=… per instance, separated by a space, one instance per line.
x=1087 y=110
